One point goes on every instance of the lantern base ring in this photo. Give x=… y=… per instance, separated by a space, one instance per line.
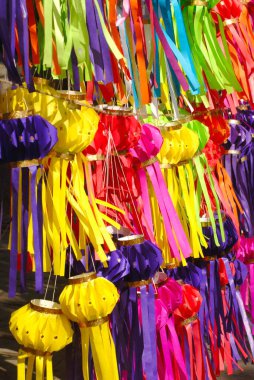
x=138 y=284
x=45 y=306
x=151 y=161
x=80 y=278
x=187 y=321
x=35 y=352
x=95 y=322
x=131 y=240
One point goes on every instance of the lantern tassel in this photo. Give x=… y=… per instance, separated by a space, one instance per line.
x=21 y=365
x=100 y=339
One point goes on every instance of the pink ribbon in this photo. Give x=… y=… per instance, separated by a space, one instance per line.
x=147 y=148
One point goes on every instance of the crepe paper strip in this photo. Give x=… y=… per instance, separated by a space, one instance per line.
x=115 y=33
x=238 y=171
x=140 y=51
x=206 y=29
x=126 y=35
x=164 y=39
x=40 y=10
x=48 y=32
x=107 y=36
x=9 y=45
x=59 y=31
x=182 y=52
x=33 y=32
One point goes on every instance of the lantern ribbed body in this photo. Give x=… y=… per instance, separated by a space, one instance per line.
x=40 y=330
x=88 y=301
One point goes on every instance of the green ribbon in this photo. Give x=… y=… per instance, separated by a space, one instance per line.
x=207 y=53
x=48 y=32
x=58 y=8
x=202 y=132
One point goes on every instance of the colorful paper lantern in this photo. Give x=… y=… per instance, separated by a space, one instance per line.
x=41 y=328
x=89 y=300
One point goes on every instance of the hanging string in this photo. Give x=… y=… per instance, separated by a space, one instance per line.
x=172 y=93
x=106 y=165
x=54 y=290
x=76 y=102
x=132 y=200
x=91 y=255
x=119 y=187
x=49 y=277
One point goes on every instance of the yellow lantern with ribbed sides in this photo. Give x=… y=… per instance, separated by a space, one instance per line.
x=41 y=328
x=88 y=300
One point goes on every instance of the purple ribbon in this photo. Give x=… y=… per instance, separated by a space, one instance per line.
x=14 y=237
x=239 y=278
x=246 y=116
x=22 y=27
x=74 y=356
x=134 y=336
x=37 y=230
x=108 y=74
x=25 y=206
x=152 y=329
x=75 y=71
x=147 y=359
x=12 y=25
x=240 y=172
x=7 y=30
x=98 y=45
x=27 y=176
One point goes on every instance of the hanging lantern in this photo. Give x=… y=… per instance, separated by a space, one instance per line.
x=239 y=35
x=230 y=236
x=118 y=267
x=88 y=300
x=112 y=168
x=197 y=278
x=25 y=139
x=188 y=177
x=239 y=165
x=222 y=182
x=41 y=328
x=221 y=313
x=245 y=113
x=147 y=148
x=65 y=189
x=188 y=330
x=133 y=320
x=169 y=355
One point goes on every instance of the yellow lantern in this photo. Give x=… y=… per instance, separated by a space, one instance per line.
x=41 y=328
x=88 y=300
x=66 y=184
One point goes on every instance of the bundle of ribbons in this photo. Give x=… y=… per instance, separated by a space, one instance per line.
x=127 y=129
x=155 y=49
